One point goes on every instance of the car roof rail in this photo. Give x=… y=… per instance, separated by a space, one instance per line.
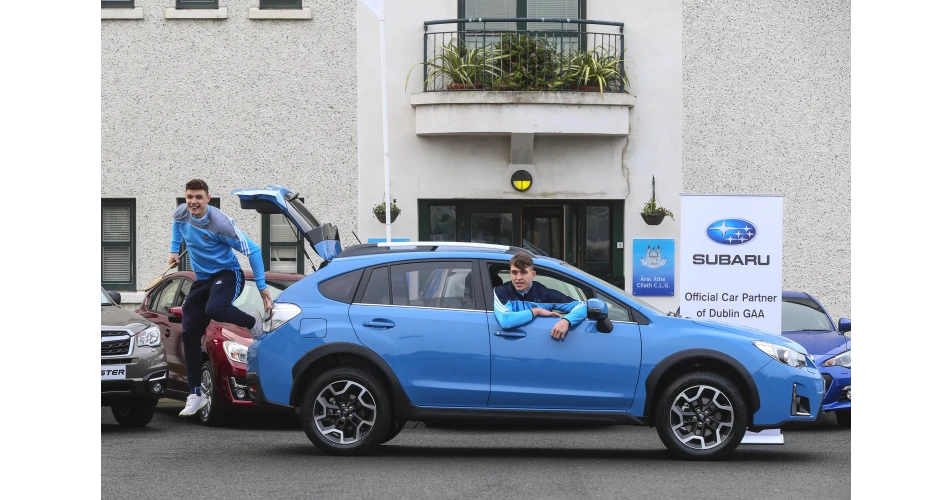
x=427 y=246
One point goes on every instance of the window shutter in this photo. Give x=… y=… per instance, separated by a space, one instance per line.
x=116 y=264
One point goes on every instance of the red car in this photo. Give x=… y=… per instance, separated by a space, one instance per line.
x=225 y=346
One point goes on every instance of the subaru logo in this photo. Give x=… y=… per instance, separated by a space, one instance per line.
x=731 y=231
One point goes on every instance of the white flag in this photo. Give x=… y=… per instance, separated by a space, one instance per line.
x=376 y=6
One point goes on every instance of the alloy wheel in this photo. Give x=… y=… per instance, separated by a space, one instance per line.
x=702 y=417
x=345 y=412
x=207 y=389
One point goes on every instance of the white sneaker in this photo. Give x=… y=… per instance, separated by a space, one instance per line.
x=256 y=330
x=193 y=404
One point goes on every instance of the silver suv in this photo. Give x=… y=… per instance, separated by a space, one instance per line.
x=134 y=370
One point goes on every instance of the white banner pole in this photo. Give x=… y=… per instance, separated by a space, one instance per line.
x=377 y=7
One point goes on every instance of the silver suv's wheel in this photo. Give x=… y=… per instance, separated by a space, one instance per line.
x=346 y=411
x=701 y=415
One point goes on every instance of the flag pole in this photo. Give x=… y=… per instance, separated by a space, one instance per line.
x=386 y=144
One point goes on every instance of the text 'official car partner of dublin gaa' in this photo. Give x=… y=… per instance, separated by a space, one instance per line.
x=386 y=333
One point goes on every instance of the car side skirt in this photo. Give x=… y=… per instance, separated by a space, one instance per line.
x=409 y=412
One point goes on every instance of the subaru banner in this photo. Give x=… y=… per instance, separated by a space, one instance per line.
x=653 y=267
x=731 y=247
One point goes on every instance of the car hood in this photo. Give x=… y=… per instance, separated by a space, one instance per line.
x=120 y=317
x=818 y=342
x=754 y=334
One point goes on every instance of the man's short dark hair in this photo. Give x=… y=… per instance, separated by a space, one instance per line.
x=195 y=185
x=521 y=260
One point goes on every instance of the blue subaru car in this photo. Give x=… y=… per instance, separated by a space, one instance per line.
x=382 y=334
x=807 y=322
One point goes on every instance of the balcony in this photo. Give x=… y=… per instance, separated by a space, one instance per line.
x=522 y=77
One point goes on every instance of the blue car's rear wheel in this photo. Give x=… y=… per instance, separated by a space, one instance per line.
x=701 y=415
x=346 y=411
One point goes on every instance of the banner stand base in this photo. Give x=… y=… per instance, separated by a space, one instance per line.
x=767 y=436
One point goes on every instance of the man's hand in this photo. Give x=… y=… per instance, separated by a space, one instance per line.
x=560 y=329
x=266 y=300
x=173 y=259
x=538 y=311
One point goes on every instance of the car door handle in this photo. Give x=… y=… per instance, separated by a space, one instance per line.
x=511 y=334
x=379 y=323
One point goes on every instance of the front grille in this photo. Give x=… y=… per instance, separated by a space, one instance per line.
x=827 y=381
x=114 y=333
x=118 y=361
x=118 y=385
x=116 y=348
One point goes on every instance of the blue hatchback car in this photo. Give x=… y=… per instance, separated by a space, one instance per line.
x=806 y=321
x=382 y=334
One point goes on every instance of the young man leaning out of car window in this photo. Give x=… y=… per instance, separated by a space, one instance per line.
x=520 y=300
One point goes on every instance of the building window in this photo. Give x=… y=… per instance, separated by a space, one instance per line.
x=118 y=4
x=196 y=4
x=281 y=4
x=118 y=271
x=522 y=8
x=184 y=263
x=281 y=245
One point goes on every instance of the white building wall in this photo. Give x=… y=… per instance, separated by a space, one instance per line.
x=235 y=101
x=767 y=110
x=565 y=167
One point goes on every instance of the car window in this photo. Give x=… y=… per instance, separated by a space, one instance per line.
x=183 y=292
x=378 y=288
x=166 y=297
x=616 y=311
x=341 y=288
x=250 y=298
x=802 y=314
x=613 y=288
x=433 y=284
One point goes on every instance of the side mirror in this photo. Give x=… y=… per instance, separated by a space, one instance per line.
x=844 y=325
x=175 y=314
x=598 y=310
x=114 y=296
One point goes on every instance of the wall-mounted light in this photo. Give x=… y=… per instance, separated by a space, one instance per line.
x=521 y=180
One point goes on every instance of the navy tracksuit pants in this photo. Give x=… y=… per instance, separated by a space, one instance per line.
x=207 y=300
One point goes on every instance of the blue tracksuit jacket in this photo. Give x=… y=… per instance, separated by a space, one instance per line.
x=210 y=241
x=514 y=308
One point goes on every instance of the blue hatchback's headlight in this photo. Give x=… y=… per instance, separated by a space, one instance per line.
x=782 y=354
x=844 y=359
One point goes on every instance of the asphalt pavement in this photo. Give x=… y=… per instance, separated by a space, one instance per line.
x=270 y=457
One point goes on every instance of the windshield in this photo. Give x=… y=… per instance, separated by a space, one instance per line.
x=803 y=315
x=615 y=289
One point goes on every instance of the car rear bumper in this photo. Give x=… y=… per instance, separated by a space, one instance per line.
x=258 y=398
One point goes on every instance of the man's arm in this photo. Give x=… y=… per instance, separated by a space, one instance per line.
x=573 y=311
x=507 y=318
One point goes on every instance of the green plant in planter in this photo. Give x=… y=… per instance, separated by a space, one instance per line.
x=464 y=67
x=380 y=210
x=594 y=68
x=525 y=63
x=653 y=213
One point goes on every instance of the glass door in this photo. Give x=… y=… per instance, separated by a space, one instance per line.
x=543 y=230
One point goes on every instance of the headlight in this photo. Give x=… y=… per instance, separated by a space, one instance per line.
x=280 y=314
x=148 y=337
x=843 y=359
x=235 y=351
x=782 y=354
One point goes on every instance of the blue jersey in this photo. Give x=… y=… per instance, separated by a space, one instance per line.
x=514 y=308
x=210 y=241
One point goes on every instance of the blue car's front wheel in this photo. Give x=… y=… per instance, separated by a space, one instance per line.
x=701 y=415
x=346 y=411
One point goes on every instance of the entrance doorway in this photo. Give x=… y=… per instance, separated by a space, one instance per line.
x=583 y=233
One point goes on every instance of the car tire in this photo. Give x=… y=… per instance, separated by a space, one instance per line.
x=137 y=414
x=346 y=411
x=843 y=418
x=708 y=397
x=395 y=429
x=214 y=413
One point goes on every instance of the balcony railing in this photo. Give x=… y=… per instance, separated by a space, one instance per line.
x=523 y=54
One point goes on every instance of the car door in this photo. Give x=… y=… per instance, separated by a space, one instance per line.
x=160 y=301
x=426 y=321
x=588 y=370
